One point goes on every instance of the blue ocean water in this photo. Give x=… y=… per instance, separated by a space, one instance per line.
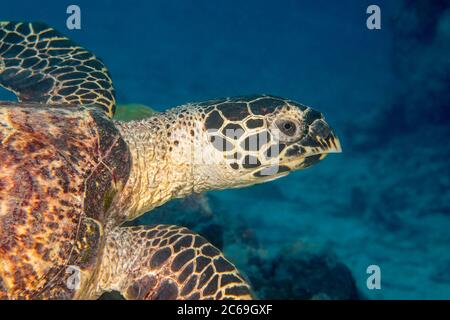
x=384 y=201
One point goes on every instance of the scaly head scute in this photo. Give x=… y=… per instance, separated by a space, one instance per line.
x=255 y=139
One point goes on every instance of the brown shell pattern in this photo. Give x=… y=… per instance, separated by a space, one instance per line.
x=59 y=171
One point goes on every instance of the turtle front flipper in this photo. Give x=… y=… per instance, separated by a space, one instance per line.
x=163 y=262
x=39 y=64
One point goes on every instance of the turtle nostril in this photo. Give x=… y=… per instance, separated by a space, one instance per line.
x=320 y=128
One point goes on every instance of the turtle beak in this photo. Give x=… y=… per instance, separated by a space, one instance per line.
x=320 y=137
x=313 y=152
x=319 y=141
x=331 y=144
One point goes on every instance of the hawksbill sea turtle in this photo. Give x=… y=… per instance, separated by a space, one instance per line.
x=71 y=176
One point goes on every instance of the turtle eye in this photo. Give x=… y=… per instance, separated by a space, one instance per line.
x=287 y=127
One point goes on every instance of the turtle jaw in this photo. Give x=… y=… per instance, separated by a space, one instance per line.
x=311 y=150
x=298 y=155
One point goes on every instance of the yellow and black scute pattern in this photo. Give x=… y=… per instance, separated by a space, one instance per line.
x=39 y=64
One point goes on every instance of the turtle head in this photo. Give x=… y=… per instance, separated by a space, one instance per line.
x=256 y=139
x=220 y=144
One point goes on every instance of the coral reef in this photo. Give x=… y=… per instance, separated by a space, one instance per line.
x=303 y=273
